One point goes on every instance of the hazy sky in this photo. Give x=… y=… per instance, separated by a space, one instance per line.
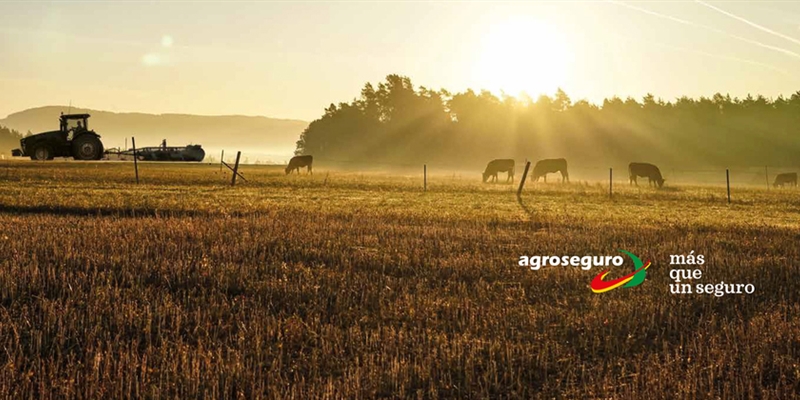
x=292 y=59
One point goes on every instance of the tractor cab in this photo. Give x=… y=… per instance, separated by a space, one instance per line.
x=74 y=123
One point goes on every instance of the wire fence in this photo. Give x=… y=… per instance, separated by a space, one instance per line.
x=751 y=176
x=674 y=175
x=611 y=177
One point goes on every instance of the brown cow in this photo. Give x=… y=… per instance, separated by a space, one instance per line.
x=789 y=178
x=298 y=162
x=496 y=166
x=544 y=167
x=649 y=171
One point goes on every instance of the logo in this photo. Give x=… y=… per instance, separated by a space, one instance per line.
x=635 y=278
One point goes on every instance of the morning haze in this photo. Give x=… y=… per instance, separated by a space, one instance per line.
x=623 y=76
x=290 y=60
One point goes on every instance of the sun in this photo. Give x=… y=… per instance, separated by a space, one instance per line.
x=522 y=55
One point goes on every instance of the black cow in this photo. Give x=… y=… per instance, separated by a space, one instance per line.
x=496 y=166
x=544 y=167
x=789 y=178
x=645 y=170
x=298 y=162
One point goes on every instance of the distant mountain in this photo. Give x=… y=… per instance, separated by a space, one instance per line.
x=260 y=138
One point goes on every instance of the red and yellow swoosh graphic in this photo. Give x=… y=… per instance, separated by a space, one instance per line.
x=599 y=285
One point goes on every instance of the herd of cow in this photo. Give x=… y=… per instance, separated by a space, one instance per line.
x=549 y=166
x=635 y=170
x=544 y=167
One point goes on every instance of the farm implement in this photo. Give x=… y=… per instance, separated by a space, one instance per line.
x=193 y=152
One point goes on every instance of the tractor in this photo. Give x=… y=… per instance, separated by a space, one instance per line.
x=72 y=139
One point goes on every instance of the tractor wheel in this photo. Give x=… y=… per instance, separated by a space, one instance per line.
x=87 y=147
x=42 y=152
x=101 y=153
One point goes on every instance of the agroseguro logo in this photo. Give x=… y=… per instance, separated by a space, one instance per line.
x=598 y=284
x=677 y=274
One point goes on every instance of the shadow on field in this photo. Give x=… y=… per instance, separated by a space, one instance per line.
x=534 y=218
x=104 y=212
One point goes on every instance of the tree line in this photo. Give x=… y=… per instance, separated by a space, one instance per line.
x=395 y=123
x=9 y=139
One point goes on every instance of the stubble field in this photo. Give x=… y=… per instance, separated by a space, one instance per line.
x=351 y=285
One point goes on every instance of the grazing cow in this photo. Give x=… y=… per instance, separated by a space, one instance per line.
x=496 y=166
x=544 y=167
x=298 y=162
x=645 y=170
x=789 y=178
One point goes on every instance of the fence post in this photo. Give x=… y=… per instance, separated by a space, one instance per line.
x=221 y=160
x=524 y=175
x=424 y=177
x=728 y=181
x=766 y=176
x=236 y=168
x=611 y=182
x=135 y=157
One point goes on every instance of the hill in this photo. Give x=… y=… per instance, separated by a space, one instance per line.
x=259 y=138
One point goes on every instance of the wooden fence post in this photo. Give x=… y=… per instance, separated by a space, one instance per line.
x=221 y=160
x=424 y=177
x=766 y=176
x=728 y=181
x=524 y=175
x=611 y=182
x=236 y=168
x=135 y=157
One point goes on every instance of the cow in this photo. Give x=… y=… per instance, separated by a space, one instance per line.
x=298 y=162
x=496 y=166
x=789 y=178
x=544 y=167
x=645 y=170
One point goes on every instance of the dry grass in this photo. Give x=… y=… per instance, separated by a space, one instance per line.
x=360 y=286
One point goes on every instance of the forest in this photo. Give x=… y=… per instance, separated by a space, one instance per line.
x=395 y=123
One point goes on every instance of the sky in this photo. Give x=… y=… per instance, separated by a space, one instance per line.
x=293 y=59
